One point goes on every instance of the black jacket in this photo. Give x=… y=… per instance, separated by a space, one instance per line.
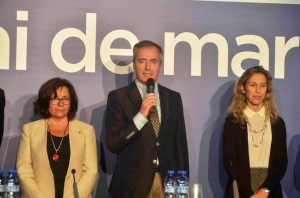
x=236 y=152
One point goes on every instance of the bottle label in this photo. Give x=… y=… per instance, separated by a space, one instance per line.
x=183 y=189
x=2 y=188
x=169 y=189
x=12 y=188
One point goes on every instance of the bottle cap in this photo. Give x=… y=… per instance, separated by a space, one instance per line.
x=170 y=172
x=12 y=171
x=181 y=172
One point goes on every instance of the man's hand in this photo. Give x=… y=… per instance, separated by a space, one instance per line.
x=149 y=101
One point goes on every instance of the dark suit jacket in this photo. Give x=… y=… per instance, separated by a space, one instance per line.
x=2 y=105
x=137 y=149
x=236 y=152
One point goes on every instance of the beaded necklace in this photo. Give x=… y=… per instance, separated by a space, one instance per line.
x=252 y=131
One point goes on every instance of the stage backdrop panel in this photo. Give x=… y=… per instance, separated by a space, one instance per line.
x=207 y=44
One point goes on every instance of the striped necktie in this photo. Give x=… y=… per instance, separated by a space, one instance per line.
x=155 y=121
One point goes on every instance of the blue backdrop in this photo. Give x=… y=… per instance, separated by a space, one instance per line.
x=207 y=46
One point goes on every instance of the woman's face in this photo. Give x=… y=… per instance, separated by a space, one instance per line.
x=255 y=91
x=60 y=106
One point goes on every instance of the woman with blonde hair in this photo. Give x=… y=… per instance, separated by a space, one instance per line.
x=254 y=135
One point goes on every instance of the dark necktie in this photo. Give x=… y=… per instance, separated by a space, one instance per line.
x=155 y=121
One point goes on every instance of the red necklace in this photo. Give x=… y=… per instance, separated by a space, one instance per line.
x=55 y=155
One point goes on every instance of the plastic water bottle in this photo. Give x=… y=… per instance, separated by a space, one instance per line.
x=12 y=184
x=169 y=185
x=182 y=185
x=2 y=184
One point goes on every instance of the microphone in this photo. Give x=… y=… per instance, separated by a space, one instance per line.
x=234 y=183
x=150 y=89
x=75 y=189
x=150 y=85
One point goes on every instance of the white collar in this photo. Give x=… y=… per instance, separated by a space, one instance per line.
x=250 y=113
x=143 y=88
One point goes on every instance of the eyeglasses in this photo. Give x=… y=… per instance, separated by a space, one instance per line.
x=55 y=101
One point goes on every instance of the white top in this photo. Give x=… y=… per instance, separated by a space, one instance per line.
x=259 y=138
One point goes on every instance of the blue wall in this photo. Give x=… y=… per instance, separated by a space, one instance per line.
x=207 y=46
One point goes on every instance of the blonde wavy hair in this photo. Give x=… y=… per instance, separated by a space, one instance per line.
x=238 y=104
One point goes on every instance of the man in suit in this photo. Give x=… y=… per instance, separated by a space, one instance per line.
x=144 y=152
x=2 y=105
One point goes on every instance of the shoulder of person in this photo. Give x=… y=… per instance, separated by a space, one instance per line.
x=126 y=87
x=123 y=89
x=80 y=124
x=230 y=119
x=279 y=121
x=35 y=124
x=163 y=88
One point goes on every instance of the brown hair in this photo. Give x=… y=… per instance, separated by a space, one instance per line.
x=47 y=90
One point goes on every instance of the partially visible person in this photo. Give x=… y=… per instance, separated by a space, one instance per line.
x=2 y=105
x=53 y=146
x=255 y=150
x=147 y=142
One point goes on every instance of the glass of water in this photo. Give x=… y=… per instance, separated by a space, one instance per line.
x=196 y=191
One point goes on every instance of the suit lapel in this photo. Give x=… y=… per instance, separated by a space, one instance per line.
x=244 y=141
x=42 y=136
x=134 y=96
x=164 y=98
x=273 y=143
x=74 y=131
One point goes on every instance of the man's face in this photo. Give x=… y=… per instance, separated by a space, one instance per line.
x=147 y=64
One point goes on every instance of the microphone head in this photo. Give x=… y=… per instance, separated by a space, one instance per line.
x=73 y=171
x=150 y=85
x=150 y=82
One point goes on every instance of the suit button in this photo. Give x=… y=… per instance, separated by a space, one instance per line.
x=154 y=161
x=157 y=143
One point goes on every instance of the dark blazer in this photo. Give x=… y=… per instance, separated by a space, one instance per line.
x=2 y=105
x=236 y=153
x=137 y=149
